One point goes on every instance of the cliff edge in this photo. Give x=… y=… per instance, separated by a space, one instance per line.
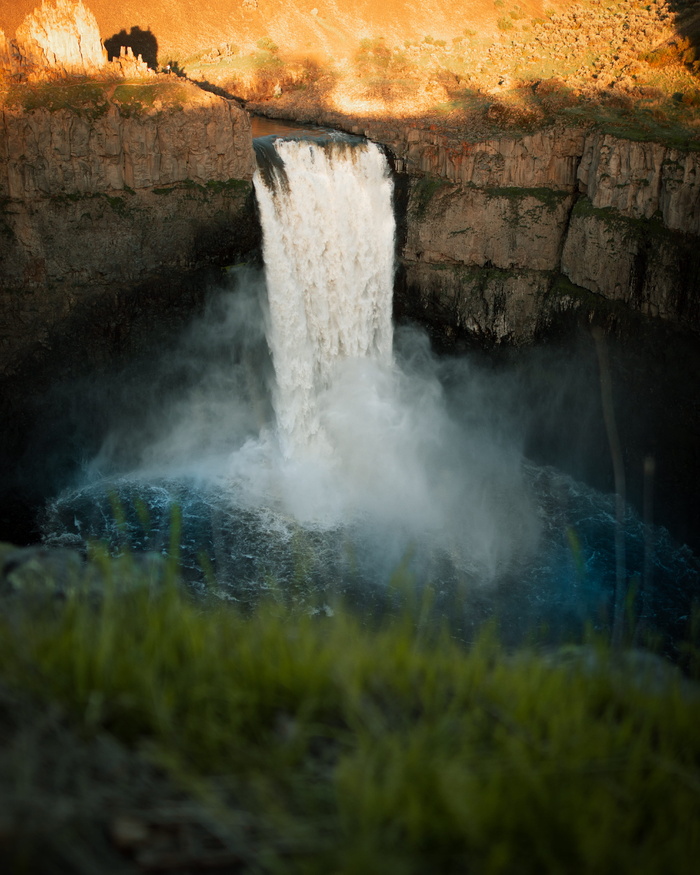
x=139 y=181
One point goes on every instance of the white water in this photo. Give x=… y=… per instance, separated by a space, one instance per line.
x=357 y=437
x=361 y=446
x=328 y=246
x=361 y=456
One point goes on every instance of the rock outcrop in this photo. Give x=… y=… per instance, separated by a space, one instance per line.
x=96 y=206
x=62 y=35
x=7 y=61
x=61 y=39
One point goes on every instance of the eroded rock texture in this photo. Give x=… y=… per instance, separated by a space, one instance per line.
x=92 y=207
x=62 y=35
x=501 y=236
x=63 y=153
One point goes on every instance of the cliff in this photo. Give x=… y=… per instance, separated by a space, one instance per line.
x=504 y=234
x=46 y=153
x=501 y=236
x=128 y=194
x=502 y=231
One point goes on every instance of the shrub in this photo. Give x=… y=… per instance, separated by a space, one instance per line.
x=266 y=44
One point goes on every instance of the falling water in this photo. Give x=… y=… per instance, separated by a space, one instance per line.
x=328 y=240
x=372 y=454
x=362 y=440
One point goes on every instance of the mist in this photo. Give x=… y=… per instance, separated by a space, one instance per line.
x=388 y=457
x=303 y=435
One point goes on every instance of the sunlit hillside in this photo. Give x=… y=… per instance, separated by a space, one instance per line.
x=332 y=27
x=631 y=65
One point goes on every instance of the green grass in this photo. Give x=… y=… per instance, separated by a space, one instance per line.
x=213 y=186
x=548 y=197
x=91 y=100
x=137 y=98
x=386 y=748
x=119 y=204
x=425 y=189
x=633 y=229
x=669 y=123
x=233 y=65
x=84 y=98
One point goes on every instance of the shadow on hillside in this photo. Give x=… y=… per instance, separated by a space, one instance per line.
x=687 y=13
x=633 y=110
x=141 y=42
x=216 y=89
x=176 y=69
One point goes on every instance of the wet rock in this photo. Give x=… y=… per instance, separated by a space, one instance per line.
x=39 y=570
x=57 y=571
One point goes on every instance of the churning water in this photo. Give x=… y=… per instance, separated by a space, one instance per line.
x=312 y=450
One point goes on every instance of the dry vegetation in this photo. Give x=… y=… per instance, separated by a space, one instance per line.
x=632 y=66
x=323 y=28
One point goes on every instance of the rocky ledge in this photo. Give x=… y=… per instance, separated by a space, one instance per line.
x=504 y=235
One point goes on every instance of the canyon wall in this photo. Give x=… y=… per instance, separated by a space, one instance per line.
x=504 y=236
x=109 y=211
x=96 y=206
x=500 y=237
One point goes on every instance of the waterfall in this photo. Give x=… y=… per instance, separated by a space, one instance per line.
x=371 y=461
x=328 y=242
x=361 y=439
x=355 y=445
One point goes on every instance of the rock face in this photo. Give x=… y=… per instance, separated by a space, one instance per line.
x=61 y=153
x=546 y=158
x=93 y=207
x=62 y=35
x=641 y=263
x=640 y=180
x=506 y=228
x=7 y=62
x=501 y=236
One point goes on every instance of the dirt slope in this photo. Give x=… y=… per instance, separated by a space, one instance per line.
x=632 y=66
x=184 y=27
